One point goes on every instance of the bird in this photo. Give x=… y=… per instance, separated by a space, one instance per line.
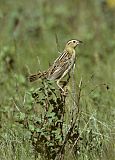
x=61 y=66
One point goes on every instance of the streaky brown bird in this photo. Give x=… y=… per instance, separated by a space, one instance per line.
x=61 y=66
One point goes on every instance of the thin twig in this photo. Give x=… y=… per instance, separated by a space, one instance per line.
x=57 y=42
x=80 y=135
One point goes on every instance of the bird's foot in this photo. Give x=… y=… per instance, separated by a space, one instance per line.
x=64 y=92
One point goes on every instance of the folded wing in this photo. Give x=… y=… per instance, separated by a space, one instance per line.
x=61 y=64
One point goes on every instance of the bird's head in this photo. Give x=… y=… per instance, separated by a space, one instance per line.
x=73 y=43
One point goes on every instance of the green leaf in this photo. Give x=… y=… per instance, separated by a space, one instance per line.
x=38 y=130
x=31 y=127
x=22 y=116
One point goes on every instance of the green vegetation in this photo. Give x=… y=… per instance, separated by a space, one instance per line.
x=36 y=120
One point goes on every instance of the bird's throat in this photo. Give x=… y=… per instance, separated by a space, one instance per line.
x=70 y=50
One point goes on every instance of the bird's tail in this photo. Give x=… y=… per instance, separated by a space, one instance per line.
x=36 y=76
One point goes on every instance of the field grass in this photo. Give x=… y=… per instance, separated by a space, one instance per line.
x=28 y=44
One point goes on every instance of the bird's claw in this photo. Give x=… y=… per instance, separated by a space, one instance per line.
x=64 y=92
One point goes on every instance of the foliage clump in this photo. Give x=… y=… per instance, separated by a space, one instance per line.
x=51 y=135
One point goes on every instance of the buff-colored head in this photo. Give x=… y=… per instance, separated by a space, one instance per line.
x=73 y=43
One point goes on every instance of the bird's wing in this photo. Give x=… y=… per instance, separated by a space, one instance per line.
x=60 y=65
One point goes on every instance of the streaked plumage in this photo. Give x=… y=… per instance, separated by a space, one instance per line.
x=61 y=66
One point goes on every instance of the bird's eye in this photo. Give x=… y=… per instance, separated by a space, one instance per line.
x=73 y=41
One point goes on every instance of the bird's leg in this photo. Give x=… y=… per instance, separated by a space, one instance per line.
x=64 y=92
x=64 y=74
x=60 y=85
x=64 y=83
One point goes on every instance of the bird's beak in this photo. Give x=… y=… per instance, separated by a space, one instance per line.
x=79 y=42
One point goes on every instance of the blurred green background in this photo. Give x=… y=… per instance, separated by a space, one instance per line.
x=28 y=33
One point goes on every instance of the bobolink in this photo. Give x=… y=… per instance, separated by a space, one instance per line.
x=61 y=66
